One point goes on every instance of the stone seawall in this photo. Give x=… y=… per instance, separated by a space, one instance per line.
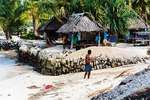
x=56 y=64
x=9 y=45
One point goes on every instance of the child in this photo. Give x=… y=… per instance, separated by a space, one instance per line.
x=88 y=66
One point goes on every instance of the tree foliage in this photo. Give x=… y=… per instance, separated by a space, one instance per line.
x=10 y=12
x=117 y=14
x=142 y=7
x=113 y=14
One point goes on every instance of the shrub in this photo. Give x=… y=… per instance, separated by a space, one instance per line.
x=29 y=35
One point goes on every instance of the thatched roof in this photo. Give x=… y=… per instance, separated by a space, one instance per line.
x=137 y=24
x=52 y=25
x=41 y=28
x=102 y=27
x=79 y=23
x=142 y=33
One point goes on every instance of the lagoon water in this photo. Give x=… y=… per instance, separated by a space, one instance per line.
x=6 y=62
x=9 y=68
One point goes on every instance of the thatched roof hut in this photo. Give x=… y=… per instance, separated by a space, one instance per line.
x=52 y=25
x=79 y=23
x=137 y=24
x=41 y=28
x=50 y=29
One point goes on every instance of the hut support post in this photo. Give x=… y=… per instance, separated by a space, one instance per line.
x=99 y=41
x=71 y=41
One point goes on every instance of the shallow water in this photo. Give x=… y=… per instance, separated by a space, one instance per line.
x=9 y=68
x=6 y=62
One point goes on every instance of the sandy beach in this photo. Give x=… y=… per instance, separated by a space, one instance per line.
x=74 y=49
x=20 y=82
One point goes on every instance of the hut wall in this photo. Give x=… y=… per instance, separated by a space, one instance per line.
x=88 y=38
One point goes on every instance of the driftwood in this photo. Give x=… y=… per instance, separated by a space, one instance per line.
x=99 y=91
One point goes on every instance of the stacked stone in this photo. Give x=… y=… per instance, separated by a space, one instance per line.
x=60 y=66
x=29 y=55
x=9 y=45
x=56 y=64
x=29 y=52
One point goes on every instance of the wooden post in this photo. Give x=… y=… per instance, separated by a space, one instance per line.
x=71 y=41
x=99 y=41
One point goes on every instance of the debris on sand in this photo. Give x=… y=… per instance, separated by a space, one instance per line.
x=129 y=87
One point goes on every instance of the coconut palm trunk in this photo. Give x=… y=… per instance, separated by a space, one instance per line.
x=34 y=22
x=8 y=35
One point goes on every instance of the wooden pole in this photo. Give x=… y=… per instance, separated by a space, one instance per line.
x=71 y=41
x=99 y=41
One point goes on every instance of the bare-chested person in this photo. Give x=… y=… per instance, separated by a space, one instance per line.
x=88 y=66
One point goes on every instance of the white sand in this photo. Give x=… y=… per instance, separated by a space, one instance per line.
x=2 y=37
x=68 y=87
x=112 y=52
x=16 y=80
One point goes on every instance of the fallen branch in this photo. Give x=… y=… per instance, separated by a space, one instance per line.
x=100 y=91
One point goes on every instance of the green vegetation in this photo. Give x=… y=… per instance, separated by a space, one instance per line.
x=142 y=7
x=28 y=35
x=16 y=16
x=10 y=20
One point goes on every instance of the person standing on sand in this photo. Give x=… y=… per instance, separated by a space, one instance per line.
x=88 y=66
x=65 y=38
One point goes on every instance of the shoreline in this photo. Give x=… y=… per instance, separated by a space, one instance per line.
x=70 y=86
x=9 y=67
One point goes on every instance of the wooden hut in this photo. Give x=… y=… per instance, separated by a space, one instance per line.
x=50 y=28
x=137 y=24
x=82 y=24
x=138 y=30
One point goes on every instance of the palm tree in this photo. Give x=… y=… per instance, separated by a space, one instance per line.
x=91 y=7
x=142 y=7
x=32 y=12
x=39 y=10
x=117 y=13
x=10 y=12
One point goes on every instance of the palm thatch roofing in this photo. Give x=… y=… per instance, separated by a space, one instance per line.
x=41 y=28
x=79 y=23
x=137 y=24
x=142 y=33
x=52 y=25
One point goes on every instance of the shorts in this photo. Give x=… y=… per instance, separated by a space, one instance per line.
x=88 y=68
